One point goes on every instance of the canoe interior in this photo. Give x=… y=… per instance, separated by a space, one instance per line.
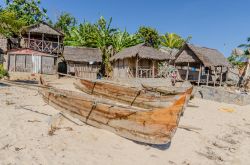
x=129 y=95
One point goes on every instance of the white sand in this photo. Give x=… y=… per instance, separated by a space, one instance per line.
x=24 y=139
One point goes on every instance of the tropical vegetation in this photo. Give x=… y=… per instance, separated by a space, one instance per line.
x=3 y=72
x=172 y=40
x=101 y=34
x=239 y=57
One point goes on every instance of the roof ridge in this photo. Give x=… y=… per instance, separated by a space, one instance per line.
x=80 y=47
x=198 y=46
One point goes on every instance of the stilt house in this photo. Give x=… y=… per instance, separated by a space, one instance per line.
x=201 y=65
x=138 y=61
x=38 y=49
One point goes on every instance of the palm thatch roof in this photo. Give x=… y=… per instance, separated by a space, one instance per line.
x=207 y=56
x=142 y=51
x=82 y=54
x=170 y=51
x=42 y=28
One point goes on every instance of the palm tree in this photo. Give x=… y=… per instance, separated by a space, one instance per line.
x=173 y=40
x=246 y=56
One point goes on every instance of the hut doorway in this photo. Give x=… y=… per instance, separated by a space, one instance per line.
x=36 y=64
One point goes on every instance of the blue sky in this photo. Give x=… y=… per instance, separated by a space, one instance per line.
x=220 y=24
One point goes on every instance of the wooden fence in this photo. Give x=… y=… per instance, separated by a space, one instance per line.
x=83 y=70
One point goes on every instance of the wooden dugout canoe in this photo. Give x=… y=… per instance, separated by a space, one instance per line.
x=129 y=95
x=156 y=126
x=164 y=90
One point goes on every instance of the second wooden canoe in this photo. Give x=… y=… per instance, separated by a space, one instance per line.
x=129 y=95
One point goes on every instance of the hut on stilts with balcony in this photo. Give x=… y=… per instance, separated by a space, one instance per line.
x=38 y=49
x=201 y=65
x=138 y=61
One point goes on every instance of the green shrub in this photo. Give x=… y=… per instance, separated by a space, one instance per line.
x=3 y=72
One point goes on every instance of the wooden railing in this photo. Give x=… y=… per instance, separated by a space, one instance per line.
x=143 y=72
x=44 y=46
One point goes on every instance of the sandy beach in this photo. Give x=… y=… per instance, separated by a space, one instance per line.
x=221 y=136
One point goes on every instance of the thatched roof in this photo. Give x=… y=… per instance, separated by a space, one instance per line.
x=82 y=54
x=170 y=51
x=41 y=28
x=142 y=52
x=207 y=56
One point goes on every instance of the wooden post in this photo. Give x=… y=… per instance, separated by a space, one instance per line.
x=29 y=40
x=215 y=74
x=153 y=69
x=136 y=67
x=15 y=62
x=220 y=75
x=227 y=74
x=8 y=59
x=41 y=65
x=187 y=73
x=25 y=63
x=208 y=77
x=42 y=41
x=199 y=78
x=58 y=46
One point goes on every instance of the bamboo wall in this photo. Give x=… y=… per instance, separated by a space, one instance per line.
x=126 y=68
x=123 y=68
x=83 y=70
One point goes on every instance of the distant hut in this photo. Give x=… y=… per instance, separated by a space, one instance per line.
x=82 y=62
x=138 y=61
x=27 y=60
x=201 y=64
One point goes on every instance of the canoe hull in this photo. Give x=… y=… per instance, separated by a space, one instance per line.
x=155 y=126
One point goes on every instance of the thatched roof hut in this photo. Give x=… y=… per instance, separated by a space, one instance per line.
x=201 y=64
x=142 y=51
x=138 y=61
x=82 y=62
x=207 y=56
x=82 y=54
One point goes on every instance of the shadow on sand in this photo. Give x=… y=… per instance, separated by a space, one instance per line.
x=156 y=146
